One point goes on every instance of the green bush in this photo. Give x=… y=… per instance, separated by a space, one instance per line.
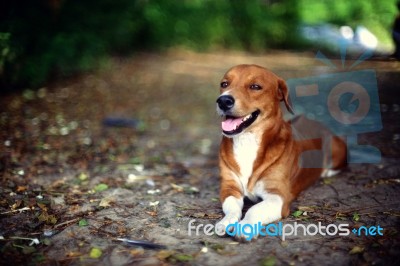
x=43 y=39
x=377 y=15
x=49 y=41
x=59 y=38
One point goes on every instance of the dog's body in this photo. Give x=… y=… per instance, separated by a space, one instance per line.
x=261 y=154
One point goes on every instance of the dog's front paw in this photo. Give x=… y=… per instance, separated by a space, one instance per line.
x=220 y=227
x=246 y=231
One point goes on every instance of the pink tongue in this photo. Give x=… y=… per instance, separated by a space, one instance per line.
x=231 y=123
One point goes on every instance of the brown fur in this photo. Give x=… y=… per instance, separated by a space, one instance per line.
x=278 y=154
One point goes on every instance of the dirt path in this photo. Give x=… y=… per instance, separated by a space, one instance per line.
x=131 y=152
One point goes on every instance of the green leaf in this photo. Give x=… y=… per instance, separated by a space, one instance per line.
x=47 y=218
x=28 y=250
x=268 y=261
x=46 y=242
x=100 y=187
x=83 y=222
x=356 y=217
x=327 y=181
x=183 y=257
x=83 y=176
x=297 y=213
x=95 y=253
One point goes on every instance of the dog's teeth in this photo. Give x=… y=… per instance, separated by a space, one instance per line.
x=246 y=118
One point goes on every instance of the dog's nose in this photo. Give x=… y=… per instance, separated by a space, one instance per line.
x=225 y=102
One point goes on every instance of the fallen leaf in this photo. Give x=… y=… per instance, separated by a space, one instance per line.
x=191 y=190
x=83 y=222
x=42 y=206
x=21 y=188
x=28 y=250
x=284 y=244
x=297 y=213
x=268 y=261
x=213 y=216
x=95 y=253
x=74 y=254
x=47 y=218
x=327 y=181
x=199 y=214
x=356 y=250
x=164 y=254
x=305 y=208
x=137 y=252
x=100 y=187
x=154 y=203
x=180 y=257
x=356 y=217
x=46 y=242
x=106 y=202
x=217 y=247
x=340 y=216
x=177 y=187
x=16 y=204
x=83 y=176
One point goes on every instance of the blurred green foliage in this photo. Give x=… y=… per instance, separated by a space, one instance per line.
x=377 y=15
x=50 y=38
x=43 y=39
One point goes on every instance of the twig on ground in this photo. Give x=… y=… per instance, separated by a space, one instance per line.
x=17 y=210
x=67 y=222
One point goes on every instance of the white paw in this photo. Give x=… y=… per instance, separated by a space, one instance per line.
x=248 y=231
x=220 y=227
x=330 y=172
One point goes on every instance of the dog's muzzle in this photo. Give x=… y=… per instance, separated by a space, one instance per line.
x=233 y=124
x=225 y=102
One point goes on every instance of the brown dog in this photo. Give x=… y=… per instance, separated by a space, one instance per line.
x=261 y=155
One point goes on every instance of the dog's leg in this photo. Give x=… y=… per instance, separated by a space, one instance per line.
x=266 y=211
x=330 y=172
x=335 y=151
x=232 y=208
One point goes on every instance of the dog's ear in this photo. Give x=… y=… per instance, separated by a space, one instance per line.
x=283 y=95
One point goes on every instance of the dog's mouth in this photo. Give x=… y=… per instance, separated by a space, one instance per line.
x=232 y=125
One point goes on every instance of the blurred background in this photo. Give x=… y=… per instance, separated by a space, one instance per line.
x=118 y=97
x=46 y=39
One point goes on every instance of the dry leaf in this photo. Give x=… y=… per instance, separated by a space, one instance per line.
x=356 y=250
x=305 y=208
x=164 y=254
x=177 y=187
x=21 y=188
x=42 y=206
x=106 y=202
x=137 y=252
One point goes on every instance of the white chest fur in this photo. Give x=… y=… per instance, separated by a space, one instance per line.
x=245 y=148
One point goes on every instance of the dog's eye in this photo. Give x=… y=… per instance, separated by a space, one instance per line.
x=224 y=84
x=255 y=87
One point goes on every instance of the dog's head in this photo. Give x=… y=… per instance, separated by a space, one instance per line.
x=249 y=95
